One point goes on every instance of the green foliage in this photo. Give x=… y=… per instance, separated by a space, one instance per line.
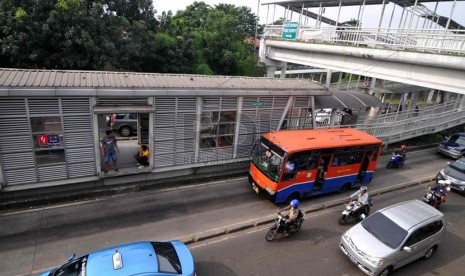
x=20 y=13
x=126 y=35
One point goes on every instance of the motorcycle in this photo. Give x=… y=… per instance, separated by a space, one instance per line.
x=396 y=161
x=434 y=197
x=354 y=210
x=279 y=228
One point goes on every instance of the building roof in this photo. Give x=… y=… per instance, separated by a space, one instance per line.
x=18 y=78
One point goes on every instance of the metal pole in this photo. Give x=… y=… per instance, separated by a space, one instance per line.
x=433 y=15
x=256 y=27
x=318 y=17
x=338 y=13
x=447 y=25
x=401 y=17
x=413 y=13
x=274 y=10
x=381 y=19
x=392 y=15
x=301 y=13
x=451 y=13
x=267 y=13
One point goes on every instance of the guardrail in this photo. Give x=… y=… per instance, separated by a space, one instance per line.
x=436 y=41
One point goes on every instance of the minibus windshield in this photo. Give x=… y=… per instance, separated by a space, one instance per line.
x=268 y=158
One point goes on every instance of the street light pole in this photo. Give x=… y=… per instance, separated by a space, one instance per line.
x=256 y=27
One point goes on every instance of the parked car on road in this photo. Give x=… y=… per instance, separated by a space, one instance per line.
x=124 y=123
x=138 y=258
x=453 y=146
x=394 y=236
x=455 y=173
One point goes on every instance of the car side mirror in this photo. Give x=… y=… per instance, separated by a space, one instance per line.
x=70 y=258
x=407 y=249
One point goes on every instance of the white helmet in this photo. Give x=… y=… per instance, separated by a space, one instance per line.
x=363 y=188
x=442 y=182
x=447 y=182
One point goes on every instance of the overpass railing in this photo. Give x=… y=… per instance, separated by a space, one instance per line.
x=407 y=124
x=436 y=41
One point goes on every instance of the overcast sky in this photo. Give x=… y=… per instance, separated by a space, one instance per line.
x=370 y=18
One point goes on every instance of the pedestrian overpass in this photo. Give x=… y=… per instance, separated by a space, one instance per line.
x=411 y=44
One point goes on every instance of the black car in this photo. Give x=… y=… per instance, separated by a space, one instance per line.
x=455 y=172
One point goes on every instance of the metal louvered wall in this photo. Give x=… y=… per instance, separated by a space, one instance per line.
x=78 y=132
x=174 y=131
x=258 y=119
x=16 y=148
x=17 y=152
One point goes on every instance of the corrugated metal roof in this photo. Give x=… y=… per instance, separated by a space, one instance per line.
x=101 y=79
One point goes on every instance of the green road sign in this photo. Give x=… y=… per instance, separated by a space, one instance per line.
x=258 y=104
x=290 y=30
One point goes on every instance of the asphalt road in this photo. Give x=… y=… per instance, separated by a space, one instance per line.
x=314 y=250
x=36 y=239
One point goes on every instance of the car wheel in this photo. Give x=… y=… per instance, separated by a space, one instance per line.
x=429 y=253
x=385 y=272
x=125 y=131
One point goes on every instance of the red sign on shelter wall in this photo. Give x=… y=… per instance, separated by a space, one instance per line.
x=43 y=140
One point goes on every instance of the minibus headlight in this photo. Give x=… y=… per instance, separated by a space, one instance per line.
x=270 y=191
x=375 y=261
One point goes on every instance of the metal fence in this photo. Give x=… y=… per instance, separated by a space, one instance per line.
x=436 y=41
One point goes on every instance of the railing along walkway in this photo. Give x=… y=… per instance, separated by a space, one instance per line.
x=404 y=125
x=436 y=41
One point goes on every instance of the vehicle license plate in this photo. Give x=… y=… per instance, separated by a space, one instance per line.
x=255 y=188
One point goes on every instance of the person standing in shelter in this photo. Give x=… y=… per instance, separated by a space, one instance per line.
x=109 y=150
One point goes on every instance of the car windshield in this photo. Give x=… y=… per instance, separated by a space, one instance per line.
x=72 y=268
x=459 y=139
x=385 y=230
x=168 y=260
x=459 y=165
x=268 y=158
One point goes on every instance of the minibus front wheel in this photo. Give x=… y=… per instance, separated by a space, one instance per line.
x=344 y=188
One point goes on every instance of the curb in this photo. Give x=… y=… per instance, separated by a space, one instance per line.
x=253 y=223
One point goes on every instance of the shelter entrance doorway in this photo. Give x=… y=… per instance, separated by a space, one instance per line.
x=131 y=131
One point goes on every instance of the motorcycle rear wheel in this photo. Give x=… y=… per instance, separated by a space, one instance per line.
x=343 y=220
x=271 y=234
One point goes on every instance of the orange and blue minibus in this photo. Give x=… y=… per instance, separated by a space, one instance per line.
x=290 y=164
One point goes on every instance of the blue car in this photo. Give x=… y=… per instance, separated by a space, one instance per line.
x=138 y=258
x=453 y=146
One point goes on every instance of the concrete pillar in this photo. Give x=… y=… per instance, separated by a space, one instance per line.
x=333 y=117
x=270 y=71
x=371 y=90
x=429 y=99
x=283 y=70
x=328 y=78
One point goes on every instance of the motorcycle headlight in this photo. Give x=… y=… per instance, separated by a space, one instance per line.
x=442 y=173
x=375 y=261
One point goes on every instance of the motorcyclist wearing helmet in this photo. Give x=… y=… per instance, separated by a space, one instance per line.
x=442 y=189
x=293 y=211
x=362 y=199
x=401 y=151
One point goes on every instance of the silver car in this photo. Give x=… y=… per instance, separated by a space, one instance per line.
x=393 y=237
